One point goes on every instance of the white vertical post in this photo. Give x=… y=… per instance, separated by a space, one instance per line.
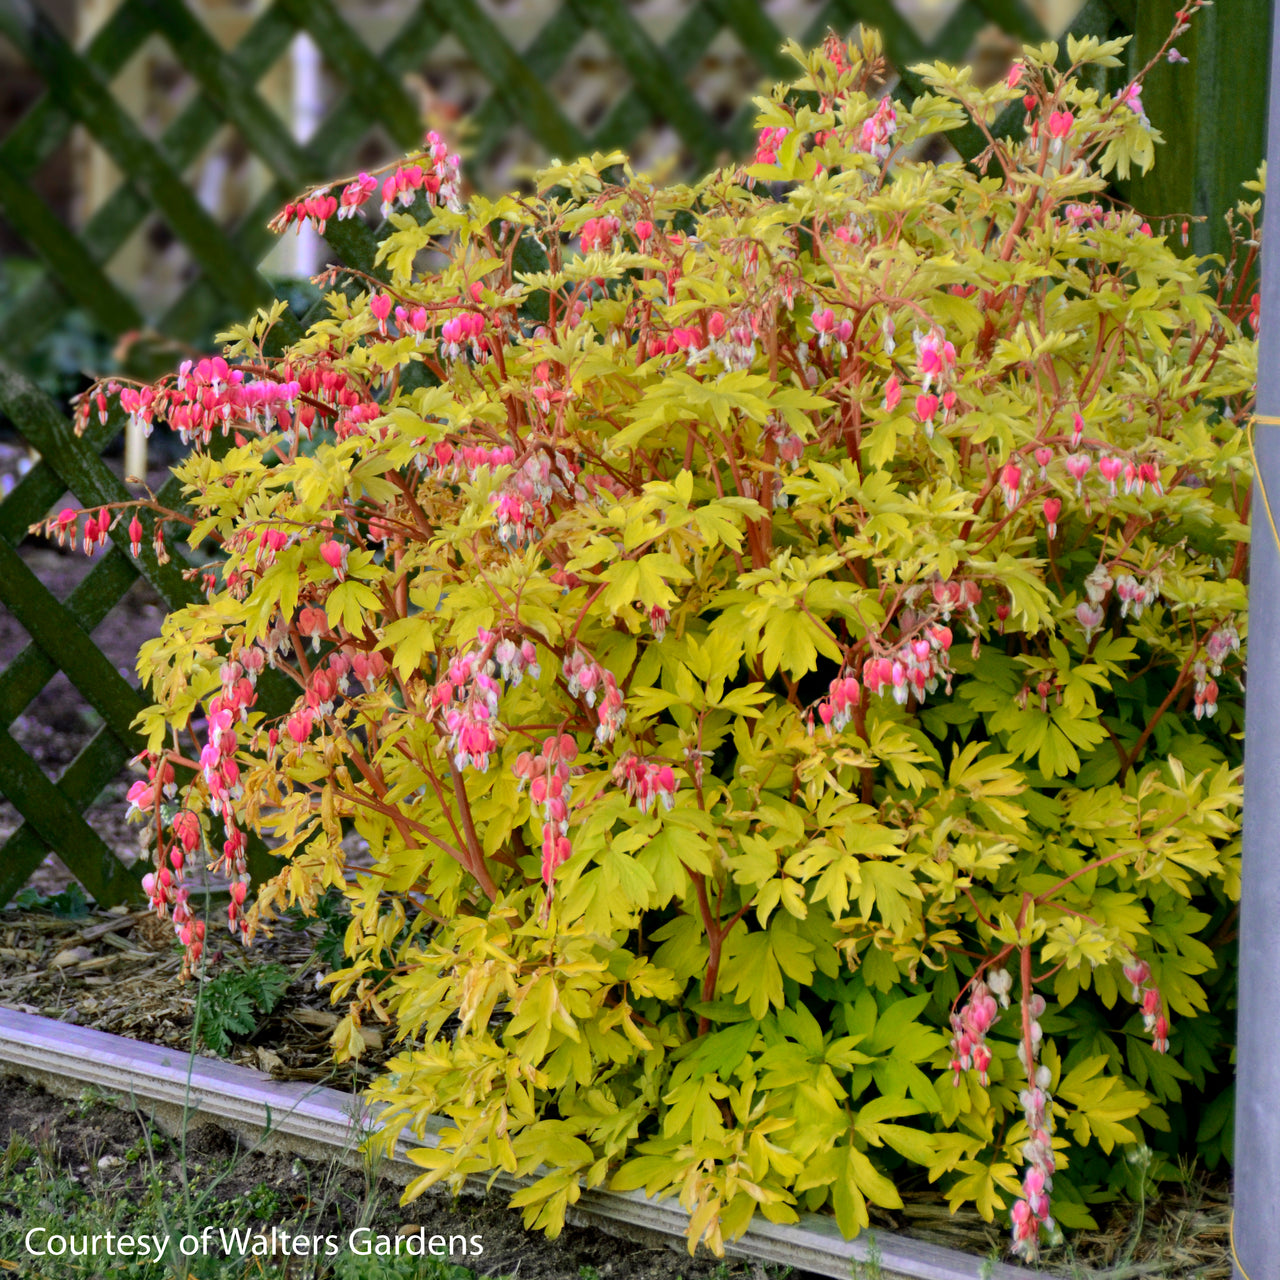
x=135 y=450
x=308 y=101
x=1256 y=1222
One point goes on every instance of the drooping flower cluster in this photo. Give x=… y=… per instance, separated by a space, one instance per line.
x=936 y=371
x=354 y=194
x=227 y=709
x=1225 y=640
x=1135 y=596
x=434 y=171
x=64 y=527
x=209 y=395
x=514 y=659
x=368 y=668
x=645 y=781
x=830 y=331
x=767 y=144
x=548 y=390
x=1147 y=996
x=953 y=594
x=521 y=503
x=732 y=342
x=837 y=708
x=326 y=683
x=936 y=358
x=970 y=1024
x=1206 y=692
x=915 y=667
x=548 y=774
x=205 y=396
x=877 y=131
x=461 y=335
x=597 y=686
x=1137 y=476
x=136 y=402
x=598 y=234
x=1030 y=1214
x=467 y=697
x=166 y=887
x=142 y=795
x=790 y=449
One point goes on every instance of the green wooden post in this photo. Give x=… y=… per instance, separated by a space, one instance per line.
x=1212 y=112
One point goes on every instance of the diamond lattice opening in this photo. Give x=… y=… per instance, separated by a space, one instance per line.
x=153 y=88
x=152 y=266
x=589 y=83
x=1057 y=15
x=927 y=18
x=723 y=78
x=795 y=19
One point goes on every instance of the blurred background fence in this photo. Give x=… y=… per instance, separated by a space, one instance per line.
x=144 y=144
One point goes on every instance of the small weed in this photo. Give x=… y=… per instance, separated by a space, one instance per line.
x=91 y=1096
x=150 y=1143
x=588 y=1273
x=70 y=904
x=18 y=1152
x=46 y=1149
x=231 y=1003
x=263 y=1202
x=871 y=1269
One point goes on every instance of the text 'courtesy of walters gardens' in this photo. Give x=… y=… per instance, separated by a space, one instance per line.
x=40 y=1242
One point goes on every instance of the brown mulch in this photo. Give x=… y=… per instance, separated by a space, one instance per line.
x=120 y=971
x=1180 y=1234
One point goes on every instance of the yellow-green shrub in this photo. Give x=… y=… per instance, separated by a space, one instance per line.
x=691 y=906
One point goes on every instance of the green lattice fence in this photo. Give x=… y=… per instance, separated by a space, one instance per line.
x=1216 y=141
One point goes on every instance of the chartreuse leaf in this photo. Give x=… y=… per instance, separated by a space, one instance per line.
x=980 y=1184
x=1102 y=1104
x=853 y=1181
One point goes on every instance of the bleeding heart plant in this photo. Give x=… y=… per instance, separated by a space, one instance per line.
x=773 y=737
